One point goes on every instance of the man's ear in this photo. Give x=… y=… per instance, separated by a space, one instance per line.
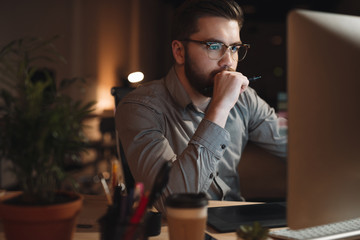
x=178 y=51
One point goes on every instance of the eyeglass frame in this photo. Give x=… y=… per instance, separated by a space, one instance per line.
x=208 y=43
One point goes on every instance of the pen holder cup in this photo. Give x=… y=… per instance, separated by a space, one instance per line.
x=112 y=228
x=152 y=223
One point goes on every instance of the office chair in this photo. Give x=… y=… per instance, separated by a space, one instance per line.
x=118 y=93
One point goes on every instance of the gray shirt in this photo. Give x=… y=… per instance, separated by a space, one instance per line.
x=157 y=122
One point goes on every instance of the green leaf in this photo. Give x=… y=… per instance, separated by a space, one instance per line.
x=252 y=232
x=40 y=126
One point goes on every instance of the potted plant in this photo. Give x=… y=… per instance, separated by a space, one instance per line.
x=252 y=232
x=41 y=128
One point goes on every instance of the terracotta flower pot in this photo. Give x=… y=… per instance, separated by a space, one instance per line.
x=55 y=222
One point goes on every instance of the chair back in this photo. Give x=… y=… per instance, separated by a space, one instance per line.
x=118 y=93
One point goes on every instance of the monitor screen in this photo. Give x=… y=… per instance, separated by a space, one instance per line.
x=324 y=118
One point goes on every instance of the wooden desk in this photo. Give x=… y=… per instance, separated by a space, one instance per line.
x=95 y=206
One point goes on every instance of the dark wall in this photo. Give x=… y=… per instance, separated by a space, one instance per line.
x=97 y=37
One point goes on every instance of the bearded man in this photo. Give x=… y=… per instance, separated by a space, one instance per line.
x=202 y=114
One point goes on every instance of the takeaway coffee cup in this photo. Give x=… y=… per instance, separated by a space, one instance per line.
x=186 y=216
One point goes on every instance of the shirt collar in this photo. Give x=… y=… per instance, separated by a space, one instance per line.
x=176 y=89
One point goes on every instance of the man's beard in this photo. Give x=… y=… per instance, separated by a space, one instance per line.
x=200 y=82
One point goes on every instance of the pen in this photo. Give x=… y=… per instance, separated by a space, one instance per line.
x=148 y=199
x=124 y=211
x=251 y=79
x=138 y=192
x=115 y=173
x=140 y=210
x=209 y=90
x=106 y=189
x=135 y=227
x=117 y=196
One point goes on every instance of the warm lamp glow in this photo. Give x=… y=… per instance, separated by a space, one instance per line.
x=105 y=99
x=108 y=58
x=135 y=77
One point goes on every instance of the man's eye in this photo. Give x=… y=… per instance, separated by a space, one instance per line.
x=234 y=49
x=215 y=46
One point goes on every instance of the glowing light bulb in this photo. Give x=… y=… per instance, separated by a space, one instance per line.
x=135 y=77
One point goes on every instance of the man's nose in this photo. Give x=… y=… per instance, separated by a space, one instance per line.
x=227 y=59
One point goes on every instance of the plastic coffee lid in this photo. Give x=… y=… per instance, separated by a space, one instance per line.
x=187 y=200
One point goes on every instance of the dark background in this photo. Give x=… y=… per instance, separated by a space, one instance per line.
x=106 y=40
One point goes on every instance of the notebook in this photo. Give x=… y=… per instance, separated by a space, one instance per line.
x=229 y=218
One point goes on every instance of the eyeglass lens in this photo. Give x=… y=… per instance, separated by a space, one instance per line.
x=217 y=50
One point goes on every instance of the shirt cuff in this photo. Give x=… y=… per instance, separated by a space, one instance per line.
x=211 y=136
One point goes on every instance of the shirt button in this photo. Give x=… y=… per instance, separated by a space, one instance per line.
x=223 y=146
x=211 y=175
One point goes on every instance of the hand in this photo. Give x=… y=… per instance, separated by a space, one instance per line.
x=228 y=85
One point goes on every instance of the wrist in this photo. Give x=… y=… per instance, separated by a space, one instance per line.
x=217 y=114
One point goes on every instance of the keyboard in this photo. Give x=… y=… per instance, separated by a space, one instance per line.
x=338 y=230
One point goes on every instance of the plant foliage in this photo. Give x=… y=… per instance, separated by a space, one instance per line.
x=40 y=125
x=252 y=232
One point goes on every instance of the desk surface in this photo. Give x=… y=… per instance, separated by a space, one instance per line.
x=95 y=206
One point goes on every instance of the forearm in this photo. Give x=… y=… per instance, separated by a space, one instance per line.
x=192 y=167
x=265 y=128
x=217 y=115
x=189 y=173
x=268 y=136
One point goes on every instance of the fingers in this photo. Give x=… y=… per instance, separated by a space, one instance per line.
x=228 y=85
x=233 y=79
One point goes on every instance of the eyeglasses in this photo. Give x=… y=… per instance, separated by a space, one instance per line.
x=217 y=50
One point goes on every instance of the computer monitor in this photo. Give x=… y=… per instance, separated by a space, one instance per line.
x=324 y=118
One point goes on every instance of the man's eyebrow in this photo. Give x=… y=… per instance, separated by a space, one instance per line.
x=213 y=40
x=218 y=41
x=235 y=43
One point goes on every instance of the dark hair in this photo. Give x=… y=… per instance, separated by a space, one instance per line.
x=187 y=15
